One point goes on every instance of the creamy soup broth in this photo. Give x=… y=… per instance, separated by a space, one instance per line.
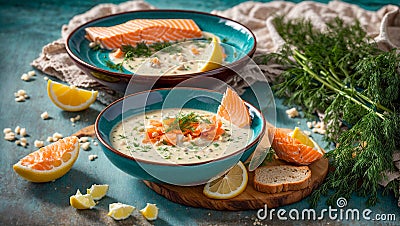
x=181 y=58
x=131 y=138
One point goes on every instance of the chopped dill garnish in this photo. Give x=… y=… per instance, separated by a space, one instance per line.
x=184 y=122
x=160 y=45
x=140 y=50
x=118 y=66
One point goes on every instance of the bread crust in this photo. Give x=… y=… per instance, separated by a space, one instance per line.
x=284 y=186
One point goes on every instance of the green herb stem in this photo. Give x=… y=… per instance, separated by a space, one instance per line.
x=298 y=56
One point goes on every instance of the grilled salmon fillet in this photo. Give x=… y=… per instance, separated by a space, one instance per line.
x=143 y=30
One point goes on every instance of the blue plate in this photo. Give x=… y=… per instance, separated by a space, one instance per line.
x=238 y=38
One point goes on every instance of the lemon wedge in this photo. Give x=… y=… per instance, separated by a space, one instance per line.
x=302 y=137
x=97 y=191
x=120 y=211
x=80 y=202
x=214 y=57
x=228 y=185
x=150 y=211
x=70 y=98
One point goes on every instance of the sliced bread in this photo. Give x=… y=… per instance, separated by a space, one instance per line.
x=274 y=179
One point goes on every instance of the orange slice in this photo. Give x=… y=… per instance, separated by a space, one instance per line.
x=70 y=98
x=49 y=162
x=233 y=109
x=293 y=150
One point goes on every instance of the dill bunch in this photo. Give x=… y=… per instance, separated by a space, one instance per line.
x=342 y=73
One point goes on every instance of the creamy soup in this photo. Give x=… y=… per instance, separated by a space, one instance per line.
x=180 y=58
x=178 y=136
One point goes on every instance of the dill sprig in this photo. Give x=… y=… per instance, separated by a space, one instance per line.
x=140 y=50
x=343 y=74
x=118 y=66
x=184 y=122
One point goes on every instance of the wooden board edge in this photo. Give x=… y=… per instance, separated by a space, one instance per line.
x=235 y=204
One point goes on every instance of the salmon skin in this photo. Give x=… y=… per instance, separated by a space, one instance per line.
x=143 y=30
x=292 y=150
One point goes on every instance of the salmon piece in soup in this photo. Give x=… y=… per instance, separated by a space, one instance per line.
x=233 y=109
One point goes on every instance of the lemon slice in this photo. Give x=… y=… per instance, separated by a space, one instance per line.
x=81 y=202
x=70 y=98
x=120 y=211
x=228 y=185
x=97 y=191
x=150 y=211
x=215 y=58
x=302 y=137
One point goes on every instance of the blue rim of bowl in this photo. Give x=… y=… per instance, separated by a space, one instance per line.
x=109 y=147
x=117 y=74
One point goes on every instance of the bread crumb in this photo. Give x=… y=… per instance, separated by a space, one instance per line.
x=23 y=142
x=10 y=136
x=31 y=73
x=23 y=132
x=21 y=92
x=292 y=112
x=7 y=130
x=49 y=139
x=44 y=115
x=85 y=146
x=92 y=157
x=309 y=125
x=25 y=77
x=57 y=136
x=38 y=143
x=20 y=99
x=95 y=143
x=21 y=95
x=46 y=78
x=74 y=119
x=17 y=130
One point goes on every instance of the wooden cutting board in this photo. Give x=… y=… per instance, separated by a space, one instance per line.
x=249 y=199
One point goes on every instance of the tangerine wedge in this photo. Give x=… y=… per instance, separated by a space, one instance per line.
x=50 y=162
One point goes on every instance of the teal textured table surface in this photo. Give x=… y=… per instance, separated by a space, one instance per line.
x=25 y=27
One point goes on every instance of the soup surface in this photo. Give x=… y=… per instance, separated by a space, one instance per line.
x=178 y=136
x=184 y=57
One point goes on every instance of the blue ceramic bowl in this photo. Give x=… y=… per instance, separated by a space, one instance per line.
x=182 y=174
x=240 y=47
